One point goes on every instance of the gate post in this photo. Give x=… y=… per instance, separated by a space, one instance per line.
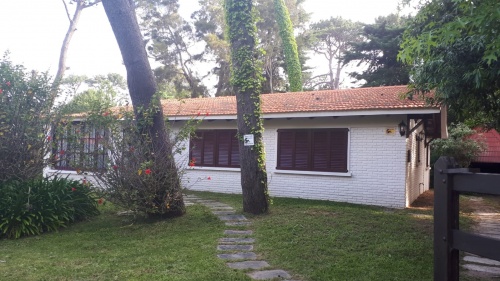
x=445 y=219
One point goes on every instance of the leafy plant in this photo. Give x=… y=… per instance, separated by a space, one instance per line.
x=459 y=145
x=36 y=206
x=26 y=100
x=128 y=167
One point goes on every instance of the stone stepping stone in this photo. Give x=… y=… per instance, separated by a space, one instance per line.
x=483 y=268
x=188 y=203
x=202 y=201
x=248 y=265
x=221 y=207
x=238 y=256
x=212 y=203
x=238 y=232
x=481 y=260
x=233 y=218
x=223 y=213
x=238 y=223
x=237 y=240
x=234 y=247
x=269 y=274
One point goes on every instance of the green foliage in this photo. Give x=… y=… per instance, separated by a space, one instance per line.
x=379 y=51
x=459 y=145
x=36 y=206
x=210 y=24
x=170 y=40
x=103 y=92
x=454 y=48
x=289 y=46
x=131 y=175
x=242 y=33
x=26 y=100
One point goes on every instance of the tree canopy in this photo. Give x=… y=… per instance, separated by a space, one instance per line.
x=331 y=39
x=454 y=49
x=378 y=51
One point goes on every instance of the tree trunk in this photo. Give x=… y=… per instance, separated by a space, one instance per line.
x=337 y=75
x=73 y=22
x=330 y=74
x=246 y=79
x=142 y=87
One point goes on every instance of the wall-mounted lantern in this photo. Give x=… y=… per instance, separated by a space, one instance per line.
x=402 y=128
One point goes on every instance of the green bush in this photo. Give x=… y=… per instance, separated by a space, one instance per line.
x=36 y=206
x=26 y=111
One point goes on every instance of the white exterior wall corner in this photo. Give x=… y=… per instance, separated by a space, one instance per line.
x=417 y=171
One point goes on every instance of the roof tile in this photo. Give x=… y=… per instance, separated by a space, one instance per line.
x=492 y=140
x=375 y=98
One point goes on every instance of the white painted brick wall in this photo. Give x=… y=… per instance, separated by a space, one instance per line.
x=376 y=162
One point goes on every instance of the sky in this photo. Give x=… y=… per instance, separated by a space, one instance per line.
x=33 y=31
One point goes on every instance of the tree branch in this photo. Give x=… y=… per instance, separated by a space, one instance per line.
x=67 y=10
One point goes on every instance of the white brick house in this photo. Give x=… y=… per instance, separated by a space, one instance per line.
x=340 y=145
x=380 y=167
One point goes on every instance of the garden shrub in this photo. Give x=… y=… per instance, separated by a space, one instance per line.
x=458 y=145
x=131 y=173
x=36 y=206
x=26 y=101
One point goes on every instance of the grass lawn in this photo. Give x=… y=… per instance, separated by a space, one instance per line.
x=313 y=240
x=319 y=240
x=111 y=248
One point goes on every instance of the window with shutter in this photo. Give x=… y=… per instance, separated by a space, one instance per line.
x=214 y=148
x=313 y=150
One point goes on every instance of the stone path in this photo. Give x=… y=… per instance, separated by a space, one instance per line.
x=488 y=224
x=236 y=245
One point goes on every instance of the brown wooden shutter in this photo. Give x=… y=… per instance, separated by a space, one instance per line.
x=235 y=150
x=286 y=145
x=320 y=150
x=195 y=148
x=338 y=150
x=223 y=148
x=302 y=150
x=209 y=141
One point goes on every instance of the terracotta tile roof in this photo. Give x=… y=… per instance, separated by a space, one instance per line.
x=492 y=140
x=376 y=98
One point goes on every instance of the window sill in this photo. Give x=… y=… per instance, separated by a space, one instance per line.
x=67 y=172
x=224 y=169
x=312 y=173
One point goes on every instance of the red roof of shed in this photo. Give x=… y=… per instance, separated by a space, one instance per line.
x=492 y=140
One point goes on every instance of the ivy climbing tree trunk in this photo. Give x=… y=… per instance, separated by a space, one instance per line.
x=292 y=62
x=246 y=80
x=142 y=87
